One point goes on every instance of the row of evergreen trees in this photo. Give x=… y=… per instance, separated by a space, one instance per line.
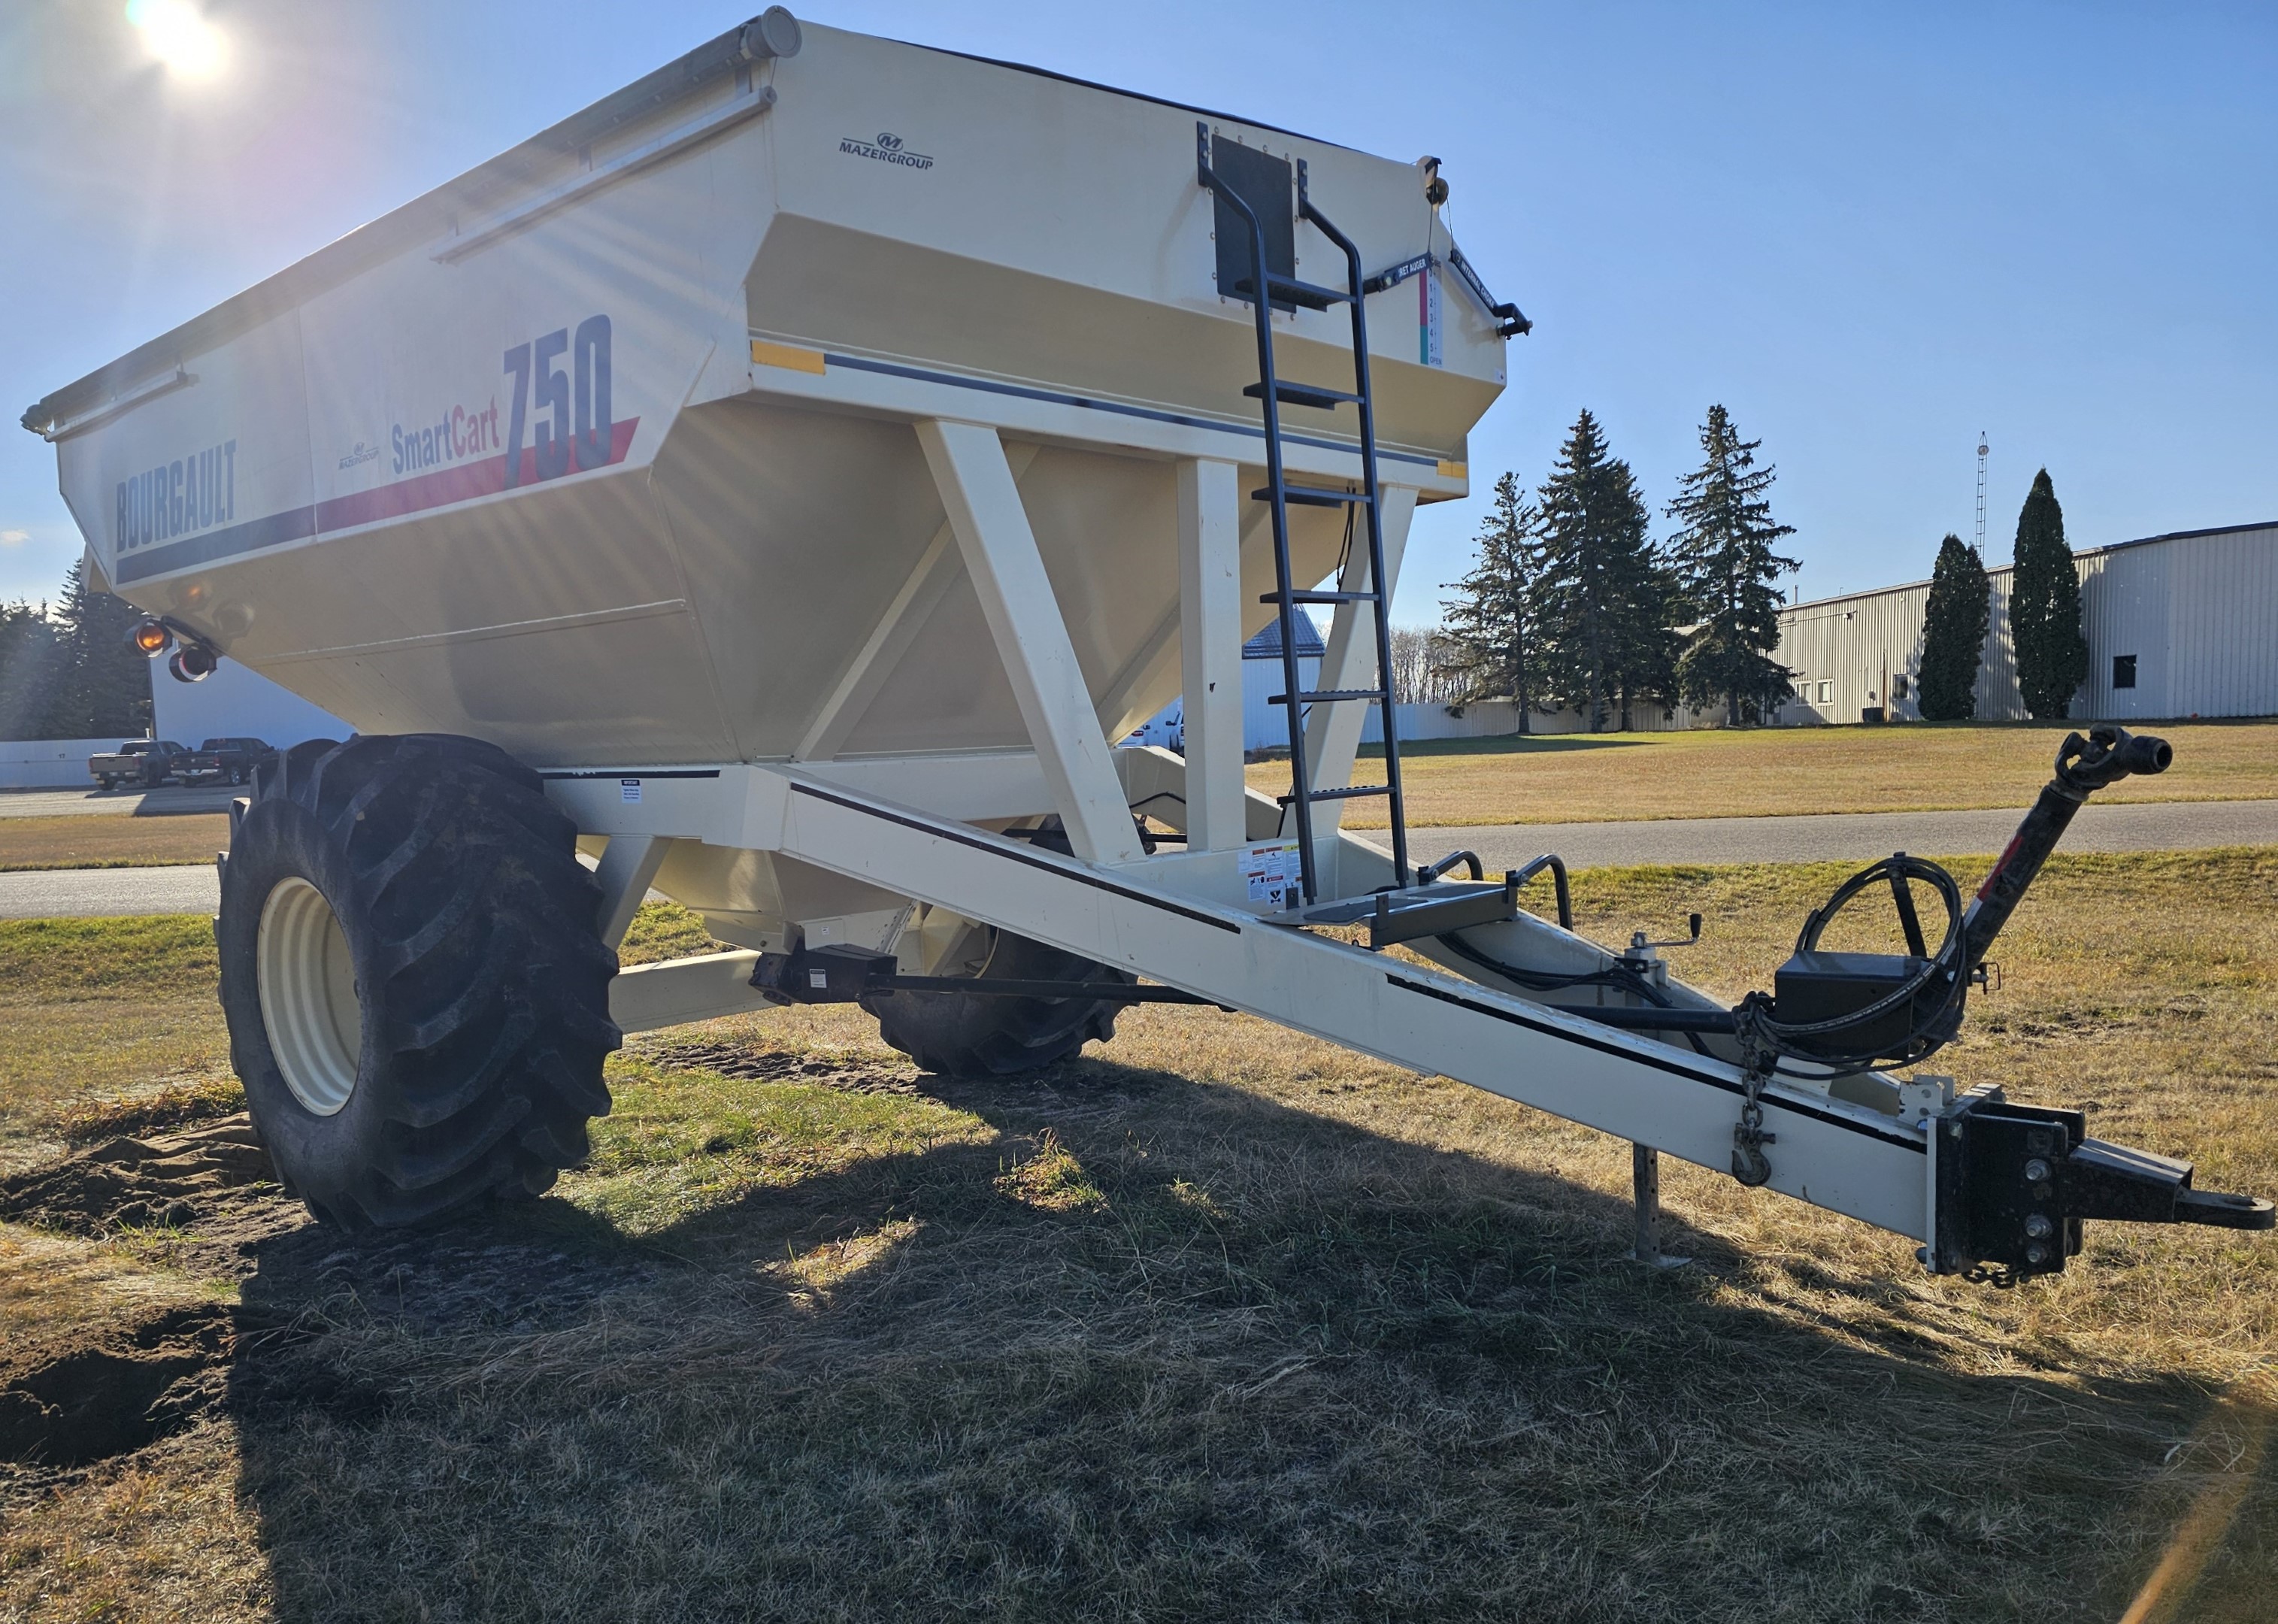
x=69 y=672
x=2044 y=617
x=1571 y=603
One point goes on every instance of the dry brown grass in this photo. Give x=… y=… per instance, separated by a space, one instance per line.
x=99 y=842
x=101 y=1014
x=1613 y=776
x=1222 y=1323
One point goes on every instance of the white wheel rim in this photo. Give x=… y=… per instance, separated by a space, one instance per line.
x=309 y=996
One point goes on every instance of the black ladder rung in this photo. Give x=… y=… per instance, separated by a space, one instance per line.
x=1377 y=694
x=1313 y=497
x=1289 y=290
x=1323 y=597
x=1301 y=395
x=1349 y=792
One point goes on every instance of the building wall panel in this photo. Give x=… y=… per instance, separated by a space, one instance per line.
x=2197 y=610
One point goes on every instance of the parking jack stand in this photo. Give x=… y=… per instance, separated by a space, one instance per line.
x=1644 y=1175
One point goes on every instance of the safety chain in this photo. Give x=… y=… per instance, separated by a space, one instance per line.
x=1757 y=1059
x=2001 y=1277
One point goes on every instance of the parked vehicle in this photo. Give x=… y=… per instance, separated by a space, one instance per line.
x=226 y=760
x=145 y=762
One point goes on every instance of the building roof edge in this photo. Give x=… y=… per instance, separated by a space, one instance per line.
x=2085 y=552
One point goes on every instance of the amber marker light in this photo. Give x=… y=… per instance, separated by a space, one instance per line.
x=151 y=638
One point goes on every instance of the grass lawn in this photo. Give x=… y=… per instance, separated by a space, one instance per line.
x=99 y=842
x=1579 y=777
x=1214 y=1322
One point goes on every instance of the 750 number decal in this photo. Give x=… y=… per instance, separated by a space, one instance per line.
x=572 y=426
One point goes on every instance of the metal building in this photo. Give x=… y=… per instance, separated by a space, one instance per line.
x=2182 y=625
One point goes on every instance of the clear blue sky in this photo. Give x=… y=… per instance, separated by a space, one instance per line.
x=1870 y=232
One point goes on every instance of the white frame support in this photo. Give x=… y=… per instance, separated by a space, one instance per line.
x=1024 y=617
x=1209 y=652
x=628 y=865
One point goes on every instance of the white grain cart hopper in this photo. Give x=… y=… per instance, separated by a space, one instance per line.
x=786 y=475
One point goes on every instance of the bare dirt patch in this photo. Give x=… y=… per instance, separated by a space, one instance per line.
x=71 y=1405
x=746 y=1061
x=198 y=1180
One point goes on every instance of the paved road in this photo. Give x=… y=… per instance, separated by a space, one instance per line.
x=116 y=803
x=1856 y=836
x=43 y=893
x=1851 y=836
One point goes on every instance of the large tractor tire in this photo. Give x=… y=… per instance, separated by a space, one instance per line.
x=965 y=1035
x=417 y=988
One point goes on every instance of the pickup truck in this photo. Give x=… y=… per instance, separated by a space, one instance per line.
x=226 y=760
x=147 y=762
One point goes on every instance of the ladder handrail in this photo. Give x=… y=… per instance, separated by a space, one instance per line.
x=1354 y=277
x=1279 y=493
x=1262 y=305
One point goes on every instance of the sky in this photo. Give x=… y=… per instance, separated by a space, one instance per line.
x=1872 y=234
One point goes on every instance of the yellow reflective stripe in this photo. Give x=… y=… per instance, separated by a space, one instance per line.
x=787 y=356
x=1448 y=471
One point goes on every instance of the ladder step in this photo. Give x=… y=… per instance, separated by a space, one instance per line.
x=1289 y=290
x=1321 y=597
x=1377 y=694
x=1349 y=792
x=1301 y=395
x=1313 y=497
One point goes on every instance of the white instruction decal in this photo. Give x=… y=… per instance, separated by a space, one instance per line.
x=1272 y=872
x=630 y=788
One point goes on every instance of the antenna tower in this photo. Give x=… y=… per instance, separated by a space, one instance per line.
x=1981 y=494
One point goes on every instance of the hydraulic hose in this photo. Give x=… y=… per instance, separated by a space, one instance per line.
x=2083 y=766
x=1942 y=976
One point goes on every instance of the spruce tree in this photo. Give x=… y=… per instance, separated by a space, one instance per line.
x=1602 y=594
x=103 y=684
x=1953 y=633
x=1490 y=631
x=2045 y=607
x=28 y=659
x=1725 y=569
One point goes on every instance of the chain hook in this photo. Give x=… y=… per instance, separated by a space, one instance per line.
x=1750 y=1166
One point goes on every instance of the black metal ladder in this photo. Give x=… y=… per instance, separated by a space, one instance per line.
x=1265 y=289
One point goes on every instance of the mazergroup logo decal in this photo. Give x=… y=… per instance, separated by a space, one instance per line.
x=357 y=453
x=887 y=149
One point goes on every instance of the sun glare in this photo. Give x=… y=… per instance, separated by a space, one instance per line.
x=177 y=34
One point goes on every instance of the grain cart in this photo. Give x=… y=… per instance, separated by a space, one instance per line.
x=784 y=477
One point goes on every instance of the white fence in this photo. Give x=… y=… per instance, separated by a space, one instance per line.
x=49 y=764
x=1488 y=719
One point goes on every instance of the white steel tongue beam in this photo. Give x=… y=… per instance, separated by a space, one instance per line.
x=1024 y=619
x=1844 y=1157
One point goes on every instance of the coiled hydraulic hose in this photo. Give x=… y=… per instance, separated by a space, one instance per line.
x=2083 y=765
x=1943 y=975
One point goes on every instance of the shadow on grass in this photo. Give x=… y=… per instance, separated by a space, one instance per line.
x=1258 y=1364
